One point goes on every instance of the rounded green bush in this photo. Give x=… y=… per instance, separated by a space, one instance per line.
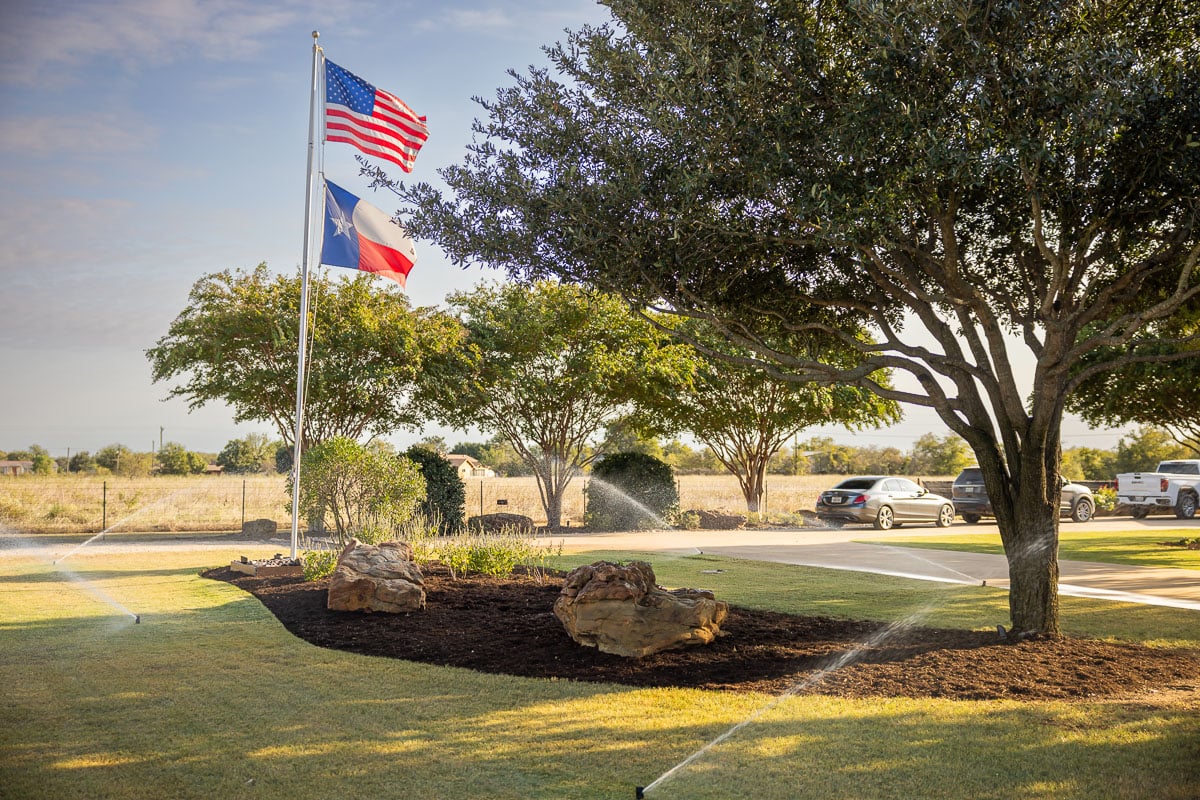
x=629 y=491
x=445 y=494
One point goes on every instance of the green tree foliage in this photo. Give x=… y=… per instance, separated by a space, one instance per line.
x=359 y=489
x=235 y=343
x=623 y=436
x=981 y=185
x=445 y=493
x=175 y=459
x=629 y=491
x=249 y=454
x=875 y=460
x=436 y=444
x=1144 y=448
x=686 y=460
x=827 y=457
x=110 y=457
x=1089 y=464
x=120 y=460
x=501 y=456
x=547 y=367
x=1143 y=389
x=43 y=464
x=472 y=449
x=934 y=455
x=82 y=462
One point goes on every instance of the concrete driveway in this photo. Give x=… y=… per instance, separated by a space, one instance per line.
x=838 y=549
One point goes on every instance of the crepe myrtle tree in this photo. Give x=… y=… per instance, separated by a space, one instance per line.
x=236 y=343
x=744 y=415
x=993 y=190
x=547 y=367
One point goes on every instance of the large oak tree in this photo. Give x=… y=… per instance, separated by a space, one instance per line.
x=995 y=189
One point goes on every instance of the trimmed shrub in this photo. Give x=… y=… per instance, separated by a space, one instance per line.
x=445 y=493
x=365 y=491
x=630 y=491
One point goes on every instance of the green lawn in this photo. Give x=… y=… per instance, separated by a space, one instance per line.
x=210 y=696
x=1137 y=548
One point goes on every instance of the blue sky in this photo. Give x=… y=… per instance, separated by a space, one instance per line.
x=145 y=143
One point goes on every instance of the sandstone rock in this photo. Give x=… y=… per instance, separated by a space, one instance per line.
x=718 y=521
x=619 y=609
x=501 y=523
x=260 y=528
x=376 y=578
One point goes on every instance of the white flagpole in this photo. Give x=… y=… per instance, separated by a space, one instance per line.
x=308 y=204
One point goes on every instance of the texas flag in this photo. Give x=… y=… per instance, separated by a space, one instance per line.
x=360 y=236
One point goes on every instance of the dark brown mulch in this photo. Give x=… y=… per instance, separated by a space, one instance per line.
x=507 y=626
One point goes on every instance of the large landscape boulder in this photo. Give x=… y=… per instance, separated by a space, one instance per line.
x=619 y=609
x=376 y=578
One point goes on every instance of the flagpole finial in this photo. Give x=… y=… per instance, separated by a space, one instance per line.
x=316 y=35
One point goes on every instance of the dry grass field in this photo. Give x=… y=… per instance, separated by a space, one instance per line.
x=89 y=504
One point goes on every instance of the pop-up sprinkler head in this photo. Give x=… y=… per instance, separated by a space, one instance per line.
x=640 y=792
x=137 y=619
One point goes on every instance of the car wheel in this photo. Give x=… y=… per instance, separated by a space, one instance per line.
x=945 y=516
x=971 y=519
x=1140 y=512
x=885 y=519
x=1082 y=511
x=1186 y=507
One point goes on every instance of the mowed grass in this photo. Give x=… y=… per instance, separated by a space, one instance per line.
x=210 y=696
x=1137 y=547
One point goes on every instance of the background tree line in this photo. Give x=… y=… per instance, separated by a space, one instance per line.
x=819 y=455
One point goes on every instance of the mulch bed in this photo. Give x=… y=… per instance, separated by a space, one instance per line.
x=507 y=626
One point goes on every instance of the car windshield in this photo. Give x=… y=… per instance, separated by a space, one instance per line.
x=857 y=484
x=970 y=475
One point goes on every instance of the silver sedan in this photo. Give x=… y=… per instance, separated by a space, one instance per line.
x=884 y=502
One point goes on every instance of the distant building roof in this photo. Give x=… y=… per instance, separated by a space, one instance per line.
x=457 y=460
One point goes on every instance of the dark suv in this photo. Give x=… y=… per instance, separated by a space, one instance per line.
x=972 y=504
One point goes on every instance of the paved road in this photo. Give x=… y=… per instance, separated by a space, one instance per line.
x=837 y=549
x=818 y=547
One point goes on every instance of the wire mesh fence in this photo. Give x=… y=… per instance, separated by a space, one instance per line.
x=85 y=504
x=90 y=504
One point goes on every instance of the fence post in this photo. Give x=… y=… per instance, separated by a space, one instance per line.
x=243 y=503
x=104 y=508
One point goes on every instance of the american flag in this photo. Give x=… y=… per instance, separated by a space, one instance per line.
x=376 y=122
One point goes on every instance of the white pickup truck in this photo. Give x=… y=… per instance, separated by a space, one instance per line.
x=1175 y=485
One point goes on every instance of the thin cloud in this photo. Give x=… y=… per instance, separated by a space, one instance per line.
x=49 y=43
x=102 y=133
x=483 y=19
x=498 y=18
